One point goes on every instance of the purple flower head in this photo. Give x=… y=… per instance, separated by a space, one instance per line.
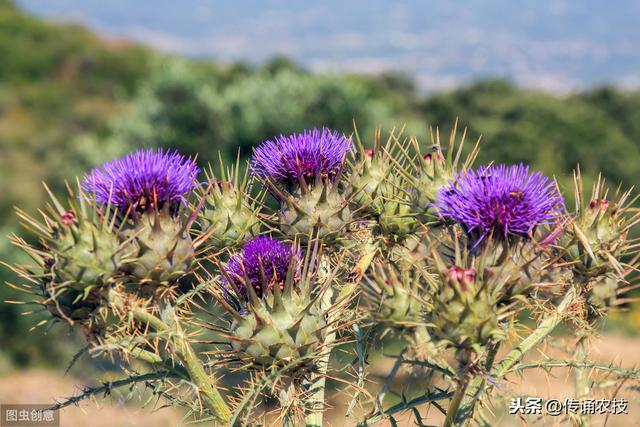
x=287 y=159
x=500 y=200
x=142 y=178
x=265 y=261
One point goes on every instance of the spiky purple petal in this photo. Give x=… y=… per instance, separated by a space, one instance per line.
x=287 y=159
x=142 y=178
x=265 y=261
x=500 y=200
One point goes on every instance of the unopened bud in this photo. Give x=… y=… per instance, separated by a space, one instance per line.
x=68 y=218
x=599 y=204
x=435 y=154
x=464 y=276
x=222 y=185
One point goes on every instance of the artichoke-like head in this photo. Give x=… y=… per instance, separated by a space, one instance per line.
x=370 y=169
x=398 y=298
x=149 y=189
x=466 y=306
x=77 y=258
x=320 y=211
x=432 y=169
x=279 y=316
x=520 y=266
x=596 y=238
x=382 y=186
x=597 y=247
x=83 y=251
x=162 y=249
x=394 y=215
x=229 y=217
x=303 y=172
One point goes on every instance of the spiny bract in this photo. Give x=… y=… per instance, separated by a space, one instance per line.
x=368 y=172
x=279 y=319
x=428 y=171
x=228 y=218
x=319 y=211
x=150 y=188
x=162 y=249
x=399 y=298
x=79 y=254
x=303 y=171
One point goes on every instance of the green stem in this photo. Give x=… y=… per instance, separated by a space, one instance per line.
x=154 y=359
x=456 y=401
x=149 y=319
x=544 y=329
x=476 y=387
x=133 y=350
x=316 y=384
x=581 y=378
x=206 y=386
x=145 y=356
x=109 y=386
x=403 y=406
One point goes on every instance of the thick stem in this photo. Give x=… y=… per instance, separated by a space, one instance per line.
x=476 y=387
x=316 y=384
x=154 y=359
x=455 y=402
x=544 y=329
x=206 y=386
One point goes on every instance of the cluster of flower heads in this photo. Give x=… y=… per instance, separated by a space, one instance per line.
x=143 y=179
x=500 y=200
x=289 y=159
x=265 y=262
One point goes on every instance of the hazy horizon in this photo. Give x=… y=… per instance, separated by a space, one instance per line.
x=558 y=45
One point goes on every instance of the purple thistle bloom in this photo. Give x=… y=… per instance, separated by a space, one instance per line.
x=500 y=200
x=141 y=178
x=262 y=256
x=287 y=159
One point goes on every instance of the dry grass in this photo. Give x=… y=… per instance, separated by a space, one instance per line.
x=37 y=386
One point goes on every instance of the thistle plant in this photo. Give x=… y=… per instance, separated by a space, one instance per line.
x=255 y=300
x=148 y=188
x=229 y=217
x=278 y=315
x=303 y=171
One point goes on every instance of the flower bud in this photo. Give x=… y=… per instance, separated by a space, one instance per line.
x=228 y=218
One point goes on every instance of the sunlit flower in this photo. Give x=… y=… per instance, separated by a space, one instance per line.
x=143 y=179
x=500 y=200
x=288 y=159
x=265 y=262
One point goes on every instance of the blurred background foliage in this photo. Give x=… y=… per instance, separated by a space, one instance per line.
x=70 y=101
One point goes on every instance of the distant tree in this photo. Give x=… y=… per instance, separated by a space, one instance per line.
x=549 y=132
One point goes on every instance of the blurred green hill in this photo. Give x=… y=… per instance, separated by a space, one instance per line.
x=70 y=100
